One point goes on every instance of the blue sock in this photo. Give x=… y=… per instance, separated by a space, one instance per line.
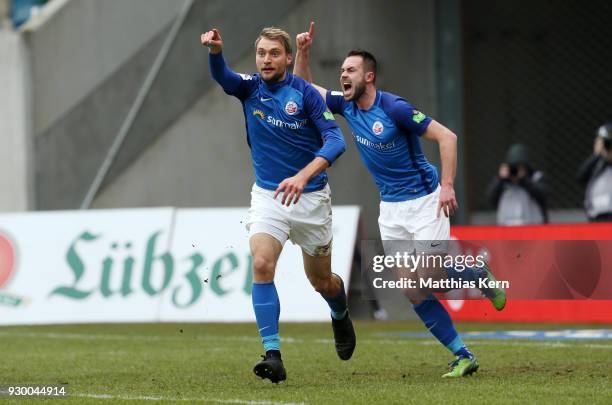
x=466 y=274
x=337 y=304
x=267 y=312
x=436 y=319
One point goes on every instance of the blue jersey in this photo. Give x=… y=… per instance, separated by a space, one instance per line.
x=287 y=125
x=387 y=137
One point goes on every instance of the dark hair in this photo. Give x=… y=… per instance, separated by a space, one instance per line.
x=369 y=61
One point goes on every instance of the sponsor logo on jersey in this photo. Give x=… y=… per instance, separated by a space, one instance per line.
x=328 y=116
x=336 y=93
x=245 y=76
x=378 y=128
x=373 y=145
x=418 y=116
x=279 y=123
x=291 y=107
x=282 y=124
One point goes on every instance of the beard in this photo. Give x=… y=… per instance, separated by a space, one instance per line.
x=358 y=91
x=275 y=78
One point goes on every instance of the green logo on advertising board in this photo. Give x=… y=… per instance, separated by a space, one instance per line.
x=160 y=272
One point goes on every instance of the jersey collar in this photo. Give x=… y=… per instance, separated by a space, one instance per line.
x=375 y=104
x=278 y=85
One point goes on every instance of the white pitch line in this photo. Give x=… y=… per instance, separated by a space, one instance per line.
x=174 y=399
x=94 y=336
x=236 y=338
x=292 y=340
x=519 y=343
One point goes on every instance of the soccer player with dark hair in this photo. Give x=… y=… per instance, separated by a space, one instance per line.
x=386 y=129
x=293 y=139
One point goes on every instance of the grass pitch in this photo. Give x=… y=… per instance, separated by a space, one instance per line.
x=212 y=363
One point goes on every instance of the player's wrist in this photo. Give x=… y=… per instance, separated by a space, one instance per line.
x=303 y=177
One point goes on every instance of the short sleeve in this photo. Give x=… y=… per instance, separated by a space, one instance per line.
x=335 y=101
x=317 y=111
x=406 y=116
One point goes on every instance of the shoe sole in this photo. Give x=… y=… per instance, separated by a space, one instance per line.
x=263 y=372
x=471 y=371
x=466 y=373
x=496 y=291
x=347 y=353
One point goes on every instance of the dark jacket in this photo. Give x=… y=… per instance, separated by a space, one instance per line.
x=520 y=203
x=596 y=173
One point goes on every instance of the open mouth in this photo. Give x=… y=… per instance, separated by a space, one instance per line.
x=346 y=86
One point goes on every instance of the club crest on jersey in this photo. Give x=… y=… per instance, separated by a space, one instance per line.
x=291 y=107
x=378 y=128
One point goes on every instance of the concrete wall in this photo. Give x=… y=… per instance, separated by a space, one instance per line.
x=82 y=44
x=70 y=152
x=15 y=140
x=49 y=70
x=203 y=159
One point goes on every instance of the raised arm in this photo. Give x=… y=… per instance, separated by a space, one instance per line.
x=230 y=81
x=301 y=64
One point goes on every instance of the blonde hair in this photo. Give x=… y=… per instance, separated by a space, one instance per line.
x=275 y=34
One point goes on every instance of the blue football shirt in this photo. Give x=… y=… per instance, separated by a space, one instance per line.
x=387 y=138
x=287 y=125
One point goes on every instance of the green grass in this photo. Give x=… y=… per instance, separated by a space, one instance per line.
x=212 y=363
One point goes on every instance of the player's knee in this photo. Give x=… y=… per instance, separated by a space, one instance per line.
x=263 y=268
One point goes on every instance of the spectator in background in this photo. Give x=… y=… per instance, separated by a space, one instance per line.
x=519 y=192
x=596 y=173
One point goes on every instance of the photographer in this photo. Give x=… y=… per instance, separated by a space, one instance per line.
x=596 y=173
x=518 y=192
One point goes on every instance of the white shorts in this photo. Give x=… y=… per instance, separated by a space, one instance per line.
x=307 y=224
x=415 y=220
